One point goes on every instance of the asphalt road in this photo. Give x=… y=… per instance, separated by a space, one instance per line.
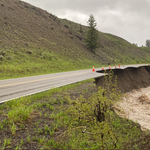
x=19 y=87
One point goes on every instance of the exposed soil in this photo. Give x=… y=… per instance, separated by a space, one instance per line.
x=135 y=105
x=129 y=78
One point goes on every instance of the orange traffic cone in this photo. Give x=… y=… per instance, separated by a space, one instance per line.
x=109 y=67
x=102 y=68
x=119 y=65
x=93 y=69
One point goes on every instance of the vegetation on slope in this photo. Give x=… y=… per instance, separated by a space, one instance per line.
x=33 y=41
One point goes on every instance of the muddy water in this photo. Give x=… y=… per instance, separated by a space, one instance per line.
x=135 y=105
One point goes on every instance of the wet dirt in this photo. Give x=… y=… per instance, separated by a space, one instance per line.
x=135 y=104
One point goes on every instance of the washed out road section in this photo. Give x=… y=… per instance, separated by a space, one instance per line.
x=19 y=87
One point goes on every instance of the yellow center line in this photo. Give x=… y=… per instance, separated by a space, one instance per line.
x=40 y=80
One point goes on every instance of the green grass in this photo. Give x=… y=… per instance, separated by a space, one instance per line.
x=32 y=64
x=126 y=132
x=55 y=128
x=19 y=114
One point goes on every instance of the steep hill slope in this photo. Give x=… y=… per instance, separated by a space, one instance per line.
x=33 y=41
x=113 y=49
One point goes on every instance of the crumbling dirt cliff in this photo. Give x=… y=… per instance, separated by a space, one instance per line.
x=129 y=78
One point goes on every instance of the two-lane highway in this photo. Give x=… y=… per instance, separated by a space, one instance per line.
x=15 y=88
x=19 y=87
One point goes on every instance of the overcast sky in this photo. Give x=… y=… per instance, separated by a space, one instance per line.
x=129 y=19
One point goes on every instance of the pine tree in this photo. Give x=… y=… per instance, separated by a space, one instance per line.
x=147 y=43
x=92 y=34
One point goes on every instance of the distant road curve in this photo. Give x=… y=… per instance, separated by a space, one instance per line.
x=19 y=87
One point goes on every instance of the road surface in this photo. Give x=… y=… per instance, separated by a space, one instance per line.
x=19 y=87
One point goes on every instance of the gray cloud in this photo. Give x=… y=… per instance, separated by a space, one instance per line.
x=128 y=19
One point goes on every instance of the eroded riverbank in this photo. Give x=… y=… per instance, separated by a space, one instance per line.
x=135 y=104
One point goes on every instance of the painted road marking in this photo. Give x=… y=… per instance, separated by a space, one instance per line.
x=39 y=80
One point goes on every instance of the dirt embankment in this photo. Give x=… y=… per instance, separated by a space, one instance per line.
x=135 y=104
x=129 y=78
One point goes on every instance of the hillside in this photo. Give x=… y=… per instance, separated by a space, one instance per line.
x=33 y=41
x=113 y=49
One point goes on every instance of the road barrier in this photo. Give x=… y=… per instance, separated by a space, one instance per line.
x=93 y=69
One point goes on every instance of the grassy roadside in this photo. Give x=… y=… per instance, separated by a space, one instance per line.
x=40 y=121
x=30 y=65
x=23 y=62
x=20 y=64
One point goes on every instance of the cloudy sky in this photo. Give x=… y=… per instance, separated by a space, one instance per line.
x=129 y=19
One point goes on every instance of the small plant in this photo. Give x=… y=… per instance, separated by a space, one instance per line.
x=51 y=143
x=21 y=142
x=51 y=132
x=46 y=128
x=7 y=143
x=47 y=105
x=13 y=129
x=41 y=140
x=37 y=124
x=28 y=138
x=40 y=131
x=52 y=115
x=45 y=115
x=18 y=147
x=51 y=107
x=3 y=123
x=40 y=113
x=35 y=138
x=22 y=126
